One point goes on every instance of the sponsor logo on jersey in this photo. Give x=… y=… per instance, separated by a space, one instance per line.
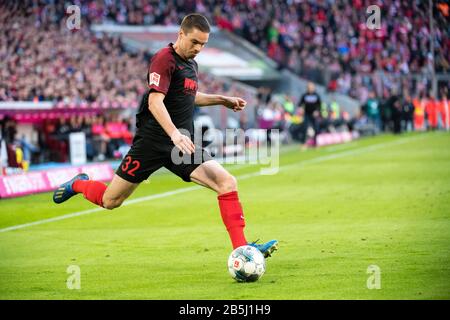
x=190 y=86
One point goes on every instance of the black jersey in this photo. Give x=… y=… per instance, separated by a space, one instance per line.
x=311 y=101
x=178 y=80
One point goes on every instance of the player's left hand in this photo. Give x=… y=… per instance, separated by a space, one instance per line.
x=235 y=103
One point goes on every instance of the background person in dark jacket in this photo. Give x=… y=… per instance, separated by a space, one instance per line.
x=408 y=114
x=310 y=102
x=397 y=114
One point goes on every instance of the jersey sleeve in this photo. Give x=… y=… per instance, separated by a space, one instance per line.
x=160 y=72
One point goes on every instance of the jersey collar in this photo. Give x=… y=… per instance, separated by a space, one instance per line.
x=173 y=49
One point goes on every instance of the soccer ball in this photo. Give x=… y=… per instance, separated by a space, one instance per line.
x=246 y=264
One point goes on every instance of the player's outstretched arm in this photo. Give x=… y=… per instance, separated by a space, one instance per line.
x=159 y=111
x=234 y=103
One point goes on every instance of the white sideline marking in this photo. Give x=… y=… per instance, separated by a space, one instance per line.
x=355 y=151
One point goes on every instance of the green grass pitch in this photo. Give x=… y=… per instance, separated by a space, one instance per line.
x=381 y=201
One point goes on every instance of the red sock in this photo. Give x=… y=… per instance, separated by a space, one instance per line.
x=233 y=217
x=91 y=190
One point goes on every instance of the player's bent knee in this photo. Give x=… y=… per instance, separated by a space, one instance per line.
x=112 y=203
x=228 y=184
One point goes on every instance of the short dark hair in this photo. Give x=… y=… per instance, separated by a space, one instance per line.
x=195 y=20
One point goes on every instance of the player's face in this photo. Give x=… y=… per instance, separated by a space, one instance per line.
x=193 y=42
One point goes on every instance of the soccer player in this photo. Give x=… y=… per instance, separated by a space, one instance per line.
x=164 y=121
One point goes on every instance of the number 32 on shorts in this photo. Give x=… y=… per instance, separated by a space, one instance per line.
x=135 y=164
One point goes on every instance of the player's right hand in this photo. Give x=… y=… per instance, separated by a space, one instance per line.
x=182 y=142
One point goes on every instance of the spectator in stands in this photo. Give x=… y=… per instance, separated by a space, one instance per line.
x=63 y=129
x=444 y=109
x=408 y=114
x=431 y=111
x=117 y=131
x=9 y=129
x=19 y=149
x=76 y=123
x=372 y=110
x=297 y=123
x=397 y=115
x=100 y=138
x=419 y=112
x=386 y=111
x=28 y=150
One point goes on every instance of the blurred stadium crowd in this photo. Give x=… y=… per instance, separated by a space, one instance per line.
x=323 y=41
x=326 y=41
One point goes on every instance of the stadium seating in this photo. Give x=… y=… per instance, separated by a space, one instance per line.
x=327 y=42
